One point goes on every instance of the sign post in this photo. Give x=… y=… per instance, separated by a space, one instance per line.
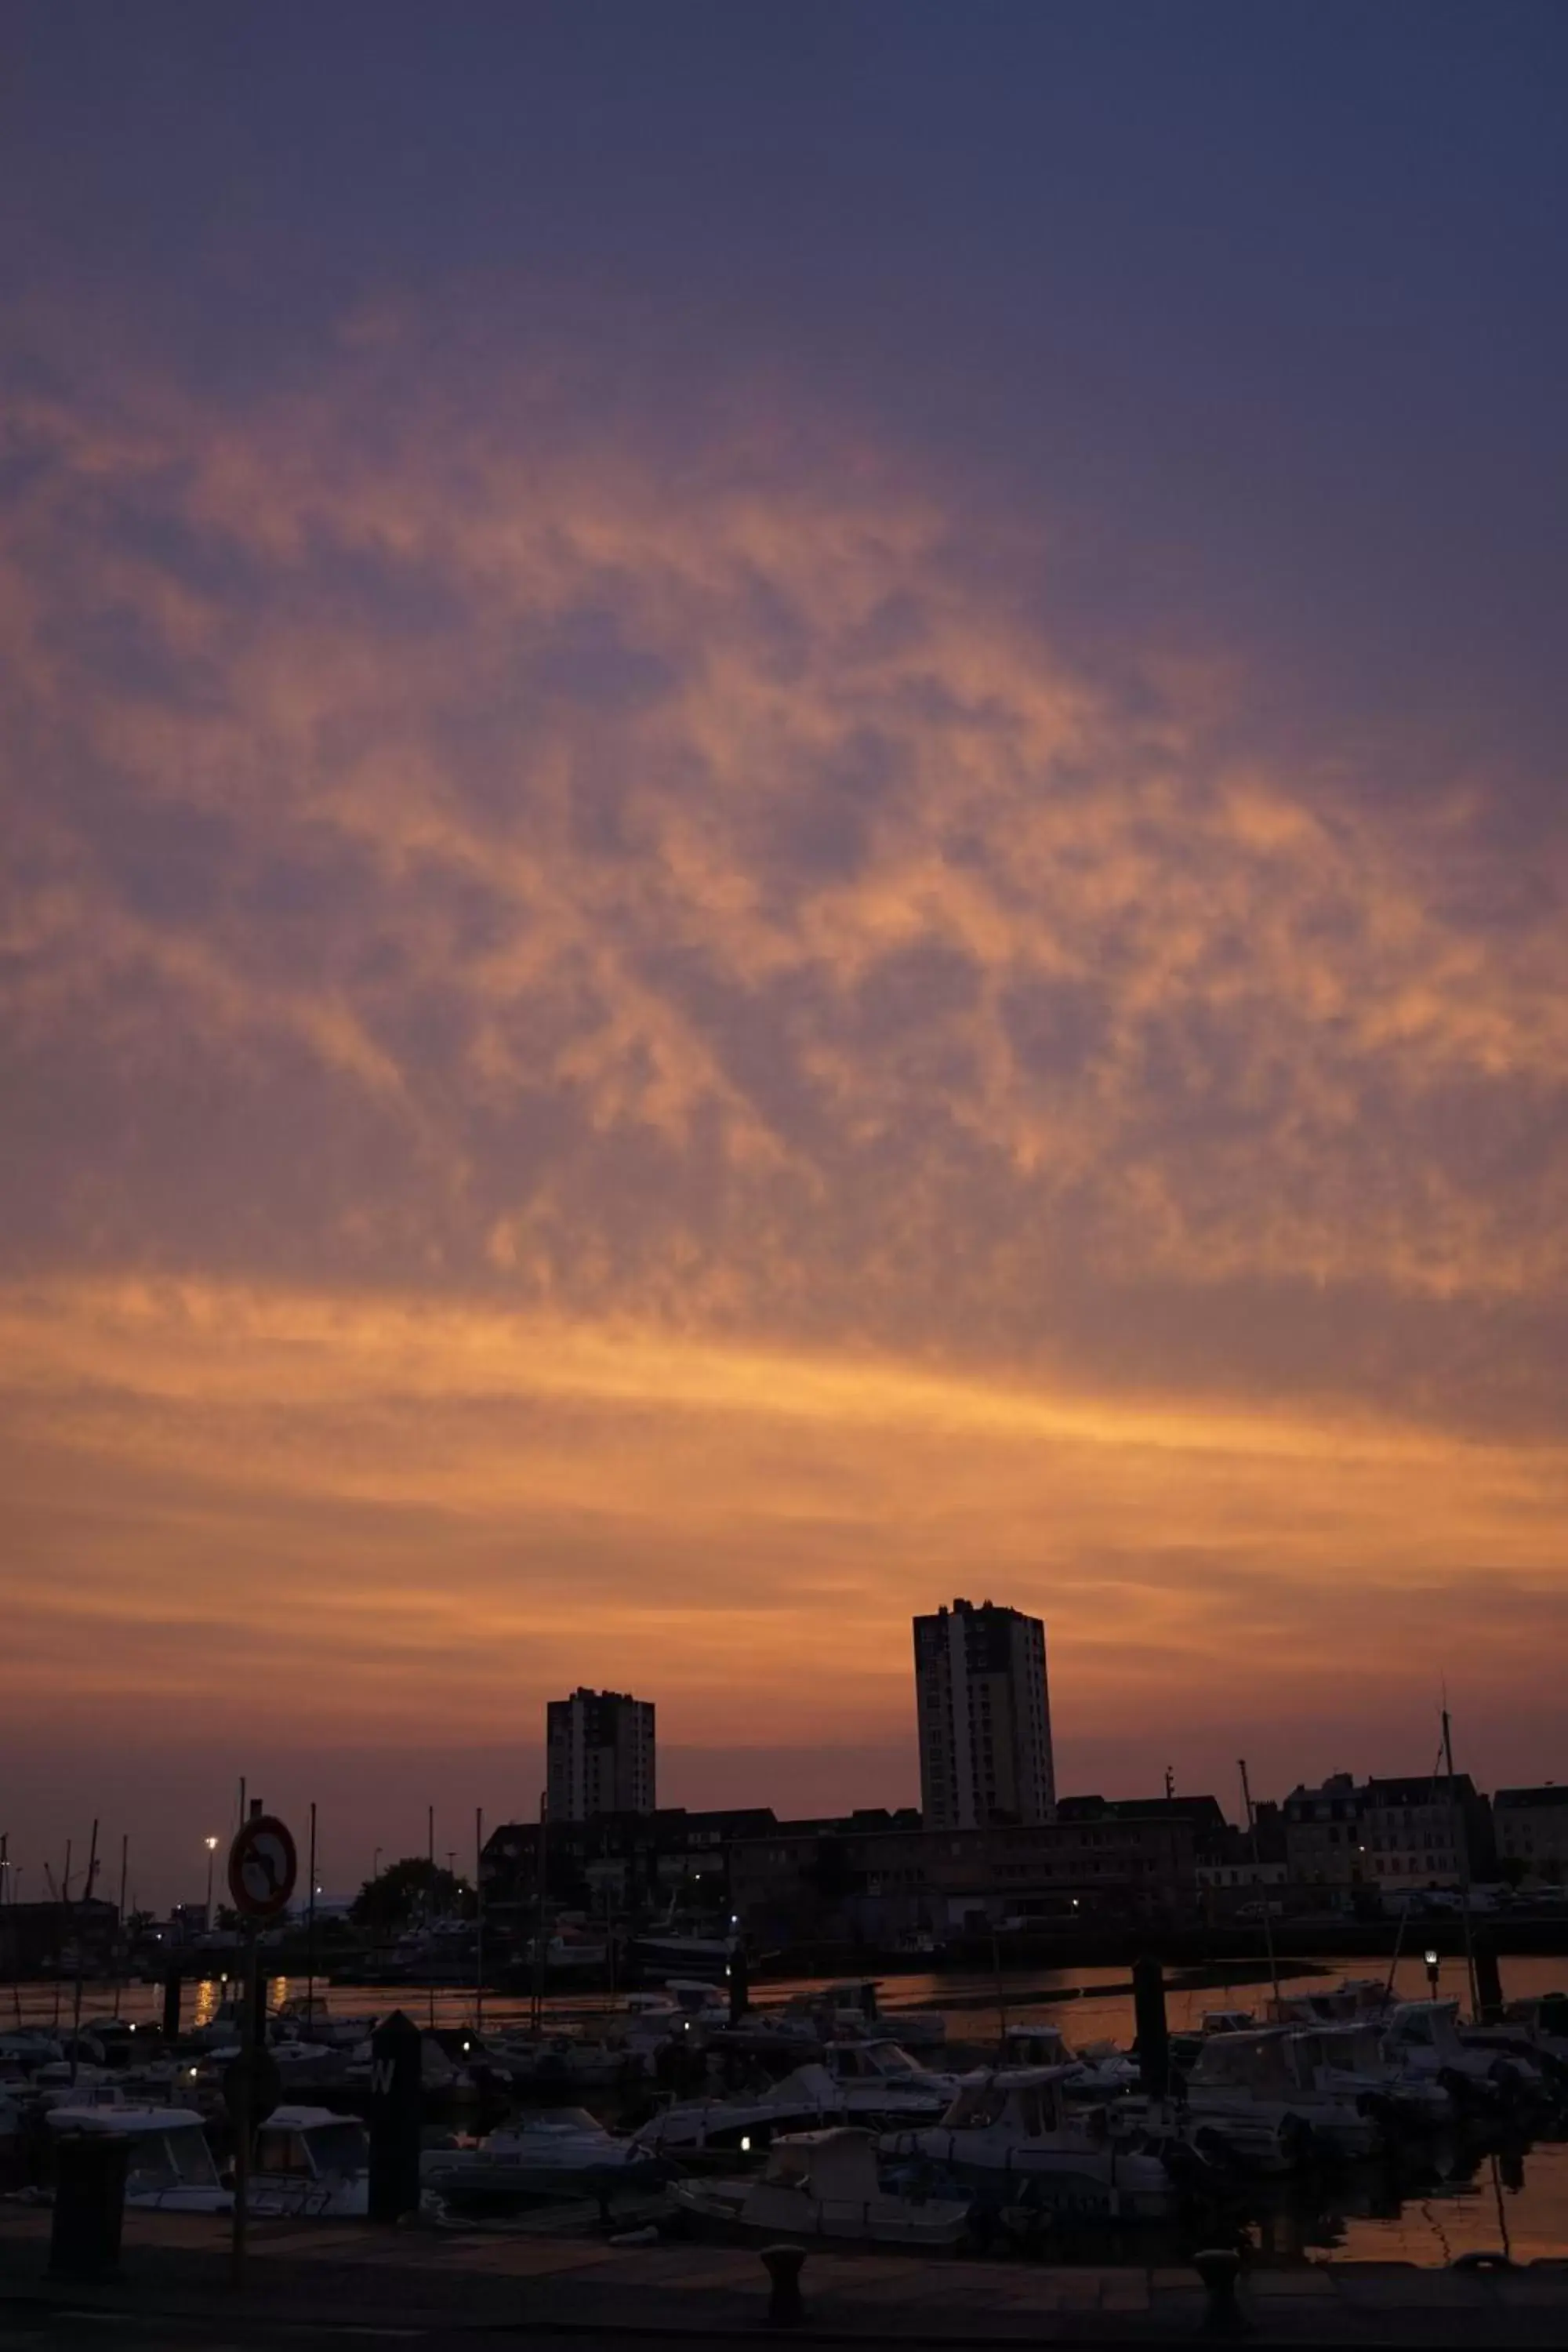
x=263 y=1865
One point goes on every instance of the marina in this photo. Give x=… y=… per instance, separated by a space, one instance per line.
x=1400 y=2134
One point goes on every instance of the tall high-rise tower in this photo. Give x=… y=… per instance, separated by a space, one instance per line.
x=985 y=1718
x=599 y=1754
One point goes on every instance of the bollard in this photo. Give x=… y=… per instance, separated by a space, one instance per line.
x=396 y=2111
x=1219 y=2268
x=1153 y=2035
x=784 y=2266
x=90 y=2208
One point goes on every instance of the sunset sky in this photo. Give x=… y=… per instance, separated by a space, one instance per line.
x=785 y=830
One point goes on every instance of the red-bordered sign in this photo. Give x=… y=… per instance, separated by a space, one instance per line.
x=262 y=1867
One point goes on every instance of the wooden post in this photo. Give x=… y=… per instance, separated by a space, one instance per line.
x=311 y=1930
x=430 y=1909
x=240 y=2115
x=76 y=2004
x=122 y=1949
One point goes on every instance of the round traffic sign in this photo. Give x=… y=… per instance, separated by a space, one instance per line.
x=262 y=1867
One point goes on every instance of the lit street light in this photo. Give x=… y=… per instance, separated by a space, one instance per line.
x=211 y=1844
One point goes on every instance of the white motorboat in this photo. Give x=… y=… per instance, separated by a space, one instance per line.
x=29 y=2048
x=169 y=2165
x=687 y=2005
x=1251 y=2095
x=303 y=2021
x=823 y=2184
x=856 y=2008
x=1423 y=2039
x=566 y=1955
x=880 y=2082
x=560 y=2152
x=309 y=2161
x=59 y=2083
x=1095 y=2074
x=565 y=2061
x=1349 y=2059
x=1013 y=2128
x=746 y=2122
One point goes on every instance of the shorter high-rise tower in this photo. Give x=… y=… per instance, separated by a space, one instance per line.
x=985 y=1718
x=599 y=1755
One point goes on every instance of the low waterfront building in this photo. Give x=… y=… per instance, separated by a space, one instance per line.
x=1531 y=1830
x=1432 y=1831
x=617 y=1864
x=877 y=1884
x=1396 y=1834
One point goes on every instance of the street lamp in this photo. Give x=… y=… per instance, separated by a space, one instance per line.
x=1432 y=1972
x=211 y=1844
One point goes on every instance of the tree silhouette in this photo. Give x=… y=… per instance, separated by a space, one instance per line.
x=409 y=1892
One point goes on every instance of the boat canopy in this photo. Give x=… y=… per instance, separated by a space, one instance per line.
x=1027 y=2098
x=839 y=2162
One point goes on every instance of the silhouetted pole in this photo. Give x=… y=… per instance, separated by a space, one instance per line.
x=80 y=1955
x=1459 y=1835
x=1263 y=1894
x=396 y=2104
x=479 y=1918
x=1153 y=2035
x=541 y=1851
x=310 y=1931
x=429 y=1909
x=122 y=1949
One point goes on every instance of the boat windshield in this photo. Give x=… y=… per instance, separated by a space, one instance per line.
x=180 y=2159
x=339 y=2148
x=1242 y=2061
x=889 y=2058
x=977 y=2108
x=1029 y=2107
x=1355 y=2050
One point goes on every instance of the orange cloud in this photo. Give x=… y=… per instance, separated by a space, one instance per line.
x=639 y=1061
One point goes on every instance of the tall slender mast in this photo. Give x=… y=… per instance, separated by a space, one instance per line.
x=122 y=1949
x=479 y=1918
x=1461 y=1844
x=1263 y=1894
x=310 y=1928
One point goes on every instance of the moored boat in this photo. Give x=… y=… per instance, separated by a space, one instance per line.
x=1013 y=2127
x=821 y=2184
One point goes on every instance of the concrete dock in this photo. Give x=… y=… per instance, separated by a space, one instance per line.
x=416 y=2285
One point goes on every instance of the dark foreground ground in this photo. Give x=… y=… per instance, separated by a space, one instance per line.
x=314 y=2283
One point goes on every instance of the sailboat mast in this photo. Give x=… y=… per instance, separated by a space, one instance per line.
x=1462 y=1856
